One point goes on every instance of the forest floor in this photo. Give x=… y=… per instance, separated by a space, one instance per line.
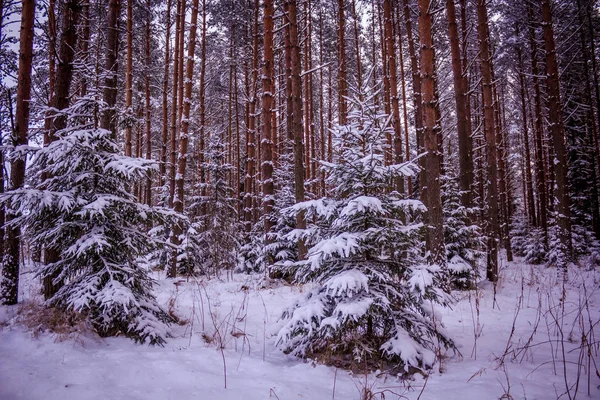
x=516 y=341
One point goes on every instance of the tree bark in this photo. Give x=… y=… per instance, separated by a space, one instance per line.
x=391 y=65
x=342 y=75
x=268 y=93
x=108 y=119
x=183 y=136
x=9 y=288
x=556 y=127
x=60 y=101
x=465 y=154
x=129 y=78
x=165 y=105
x=492 y=226
x=295 y=113
x=430 y=190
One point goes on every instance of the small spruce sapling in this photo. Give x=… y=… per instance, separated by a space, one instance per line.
x=83 y=211
x=373 y=296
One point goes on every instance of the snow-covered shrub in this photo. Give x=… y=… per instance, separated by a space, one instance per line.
x=464 y=240
x=80 y=208
x=373 y=302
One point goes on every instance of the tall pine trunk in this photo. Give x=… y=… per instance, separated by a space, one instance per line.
x=9 y=290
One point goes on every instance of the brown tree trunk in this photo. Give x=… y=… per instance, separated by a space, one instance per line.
x=9 y=291
x=183 y=137
x=60 y=101
x=539 y=159
x=295 y=113
x=250 y=179
x=268 y=93
x=129 y=78
x=51 y=64
x=174 y=97
x=528 y=178
x=202 y=107
x=555 y=117
x=108 y=119
x=148 y=194
x=404 y=108
x=342 y=78
x=165 y=105
x=430 y=189
x=391 y=65
x=359 y=78
x=416 y=82
x=465 y=154
x=492 y=226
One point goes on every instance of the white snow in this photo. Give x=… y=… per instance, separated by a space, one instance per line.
x=240 y=316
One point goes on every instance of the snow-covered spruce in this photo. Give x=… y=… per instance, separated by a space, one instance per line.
x=79 y=207
x=216 y=227
x=274 y=252
x=373 y=300
x=464 y=240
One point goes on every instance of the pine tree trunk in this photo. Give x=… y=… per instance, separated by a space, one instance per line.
x=165 y=105
x=492 y=225
x=342 y=78
x=9 y=291
x=268 y=93
x=295 y=113
x=148 y=194
x=430 y=190
x=465 y=154
x=391 y=64
x=416 y=81
x=202 y=107
x=174 y=97
x=250 y=179
x=359 y=78
x=60 y=101
x=108 y=119
x=539 y=159
x=528 y=178
x=129 y=78
x=559 y=162
x=404 y=108
x=183 y=137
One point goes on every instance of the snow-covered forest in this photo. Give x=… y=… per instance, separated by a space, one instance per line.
x=283 y=199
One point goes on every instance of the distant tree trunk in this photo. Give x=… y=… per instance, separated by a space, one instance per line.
x=165 y=105
x=250 y=179
x=489 y=127
x=60 y=101
x=174 y=97
x=268 y=94
x=391 y=64
x=404 y=108
x=590 y=119
x=342 y=78
x=129 y=78
x=202 y=107
x=357 y=45
x=9 y=291
x=557 y=130
x=465 y=148
x=539 y=160
x=183 y=137
x=85 y=48
x=148 y=121
x=430 y=190
x=528 y=178
x=416 y=81
x=295 y=113
x=108 y=119
x=51 y=62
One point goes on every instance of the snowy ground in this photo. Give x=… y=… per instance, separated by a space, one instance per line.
x=240 y=315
